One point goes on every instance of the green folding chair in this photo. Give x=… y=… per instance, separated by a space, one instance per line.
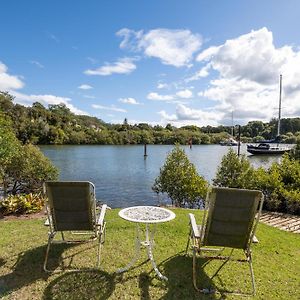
x=230 y=220
x=71 y=207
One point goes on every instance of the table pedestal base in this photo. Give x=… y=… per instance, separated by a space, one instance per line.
x=148 y=243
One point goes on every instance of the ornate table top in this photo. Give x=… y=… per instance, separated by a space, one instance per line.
x=146 y=214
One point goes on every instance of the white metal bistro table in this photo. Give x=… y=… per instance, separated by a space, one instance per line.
x=148 y=215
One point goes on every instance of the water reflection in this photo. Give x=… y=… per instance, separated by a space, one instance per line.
x=263 y=160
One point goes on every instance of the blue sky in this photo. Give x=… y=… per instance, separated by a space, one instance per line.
x=179 y=62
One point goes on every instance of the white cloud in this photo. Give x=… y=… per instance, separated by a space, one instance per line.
x=185 y=113
x=247 y=72
x=252 y=56
x=131 y=38
x=189 y=116
x=129 y=100
x=9 y=82
x=37 y=63
x=166 y=117
x=162 y=85
x=46 y=100
x=185 y=94
x=172 y=47
x=207 y=54
x=182 y=94
x=158 y=97
x=112 y=108
x=203 y=72
x=85 y=87
x=121 y=66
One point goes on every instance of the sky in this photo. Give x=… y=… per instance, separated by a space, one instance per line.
x=180 y=62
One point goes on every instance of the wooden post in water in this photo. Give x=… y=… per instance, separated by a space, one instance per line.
x=191 y=143
x=239 y=141
x=145 y=150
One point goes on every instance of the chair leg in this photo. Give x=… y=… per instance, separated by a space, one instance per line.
x=252 y=273
x=204 y=290
x=209 y=291
x=99 y=251
x=188 y=242
x=104 y=233
x=194 y=270
x=101 y=240
x=50 y=239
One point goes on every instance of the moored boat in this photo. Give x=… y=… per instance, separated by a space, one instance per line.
x=229 y=142
x=264 y=148
x=272 y=146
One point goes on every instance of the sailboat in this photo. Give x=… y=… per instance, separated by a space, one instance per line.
x=230 y=141
x=271 y=146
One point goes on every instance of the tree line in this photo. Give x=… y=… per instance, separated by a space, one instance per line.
x=58 y=125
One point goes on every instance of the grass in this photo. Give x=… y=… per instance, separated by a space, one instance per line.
x=23 y=245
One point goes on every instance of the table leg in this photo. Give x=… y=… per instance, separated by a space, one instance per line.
x=149 y=244
x=137 y=252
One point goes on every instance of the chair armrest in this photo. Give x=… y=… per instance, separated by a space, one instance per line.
x=194 y=228
x=100 y=220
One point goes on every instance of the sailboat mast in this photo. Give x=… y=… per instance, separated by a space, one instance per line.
x=279 y=110
x=232 y=124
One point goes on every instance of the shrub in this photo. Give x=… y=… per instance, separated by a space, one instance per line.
x=280 y=183
x=292 y=201
x=9 y=145
x=289 y=191
x=23 y=168
x=29 y=170
x=270 y=183
x=295 y=153
x=22 y=204
x=179 y=179
x=258 y=138
x=234 y=172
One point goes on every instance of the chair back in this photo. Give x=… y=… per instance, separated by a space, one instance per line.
x=71 y=205
x=230 y=220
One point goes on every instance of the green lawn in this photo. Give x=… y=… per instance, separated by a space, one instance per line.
x=23 y=245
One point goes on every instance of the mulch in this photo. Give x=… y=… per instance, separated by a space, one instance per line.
x=38 y=215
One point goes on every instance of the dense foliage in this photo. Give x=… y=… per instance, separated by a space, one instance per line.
x=9 y=145
x=280 y=183
x=23 y=168
x=58 y=125
x=235 y=171
x=295 y=153
x=179 y=179
x=22 y=204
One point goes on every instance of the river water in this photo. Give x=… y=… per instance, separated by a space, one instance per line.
x=121 y=174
